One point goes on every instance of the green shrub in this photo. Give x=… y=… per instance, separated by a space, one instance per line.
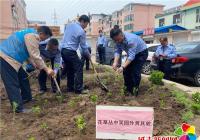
x=60 y=98
x=94 y=98
x=80 y=123
x=196 y=97
x=36 y=110
x=196 y=108
x=44 y=126
x=156 y=77
x=72 y=103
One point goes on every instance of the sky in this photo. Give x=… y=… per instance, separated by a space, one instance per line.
x=68 y=9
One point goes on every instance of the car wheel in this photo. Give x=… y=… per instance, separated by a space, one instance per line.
x=146 y=69
x=197 y=78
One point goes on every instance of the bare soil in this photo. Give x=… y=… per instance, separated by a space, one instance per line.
x=59 y=118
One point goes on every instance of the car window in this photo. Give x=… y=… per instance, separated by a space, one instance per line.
x=186 y=47
x=153 y=48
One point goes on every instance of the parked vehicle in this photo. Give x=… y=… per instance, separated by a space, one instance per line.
x=147 y=65
x=109 y=53
x=187 y=63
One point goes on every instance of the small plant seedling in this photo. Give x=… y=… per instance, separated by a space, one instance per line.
x=94 y=98
x=187 y=116
x=162 y=103
x=135 y=90
x=109 y=94
x=196 y=97
x=59 y=98
x=44 y=126
x=36 y=110
x=77 y=99
x=196 y=108
x=156 y=77
x=80 y=123
x=72 y=103
x=14 y=108
x=31 y=138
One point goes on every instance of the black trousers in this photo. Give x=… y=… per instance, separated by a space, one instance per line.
x=86 y=61
x=16 y=84
x=132 y=74
x=74 y=70
x=42 y=79
x=101 y=51
x=165 y=67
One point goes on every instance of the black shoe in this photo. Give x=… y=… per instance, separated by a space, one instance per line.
x=24 y=111
x=30 y=100
x=42 y=91
x=82 y=91
x=85 y=87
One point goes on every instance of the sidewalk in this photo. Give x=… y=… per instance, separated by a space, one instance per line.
x=190 y=90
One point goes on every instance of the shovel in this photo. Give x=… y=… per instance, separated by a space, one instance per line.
x=58 y=88
x=103 y=86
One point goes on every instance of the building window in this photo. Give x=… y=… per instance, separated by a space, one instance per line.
x=128 y=27
x=198 y=15
x=128 y=18
x=177 y=19
x=161 y=22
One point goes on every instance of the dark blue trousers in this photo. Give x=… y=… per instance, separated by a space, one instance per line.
x=132 y=74
x=101 y=50
x=16 y=84
x=74 y=70
x=42 y=79
x=86 y=60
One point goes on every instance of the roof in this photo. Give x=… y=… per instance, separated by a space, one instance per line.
x=191 y=2
x=164 y=29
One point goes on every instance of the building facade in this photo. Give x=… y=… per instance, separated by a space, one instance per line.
x=96 y=23
x=35 y=24
x=187 y=15
x=12 y=17
x=136 y=16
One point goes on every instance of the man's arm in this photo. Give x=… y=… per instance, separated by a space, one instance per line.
x=83 y=45
x=33 y=49
x=118 y=52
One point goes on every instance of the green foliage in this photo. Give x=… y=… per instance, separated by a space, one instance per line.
x=80 y=123
x=156 y=77
x=162 y=103
x=31 y=138
x=182 y=99
x=60 y=98
x=94 y=98
x=44 y=126
x=77 y=99
x=14 y=106
x=196 y=108
x=36 y=110
x=187 y=116
x=109 y=94
x=196 y=97
x=72 y=103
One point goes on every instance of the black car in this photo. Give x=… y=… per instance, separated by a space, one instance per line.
x=187 y=63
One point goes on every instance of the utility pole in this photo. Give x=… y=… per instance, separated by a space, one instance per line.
x=55 y=18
